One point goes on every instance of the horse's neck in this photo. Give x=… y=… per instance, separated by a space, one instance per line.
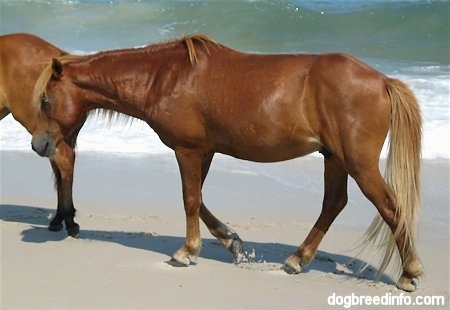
x=125 y=86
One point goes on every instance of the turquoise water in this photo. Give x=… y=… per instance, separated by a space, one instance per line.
x=391 y=30
x=405 y=39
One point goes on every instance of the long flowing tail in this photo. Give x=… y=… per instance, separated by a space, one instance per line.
x=402 y=174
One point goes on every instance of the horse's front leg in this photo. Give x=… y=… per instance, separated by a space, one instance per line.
x=63 y=165
x=190 y=164
x=228 y=237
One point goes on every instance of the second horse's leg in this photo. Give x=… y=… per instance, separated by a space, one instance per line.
x=63 y=165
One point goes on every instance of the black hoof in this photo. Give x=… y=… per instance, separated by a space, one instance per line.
x=74 y=231
x=237 y=248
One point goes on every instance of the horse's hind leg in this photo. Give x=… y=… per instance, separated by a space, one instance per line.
x=63 y=164
x=335 y=199
x=379 y=193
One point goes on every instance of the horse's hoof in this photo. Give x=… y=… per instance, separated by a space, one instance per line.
x=292 y=265
x=55 y=226
x=407 y=284
x=74 y=231
x=290 y=269
x=237 y=248
x=177 y=263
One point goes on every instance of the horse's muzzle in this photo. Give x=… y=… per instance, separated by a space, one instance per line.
x=44 y=144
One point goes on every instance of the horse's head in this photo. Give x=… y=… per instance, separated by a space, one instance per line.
x=60 y=111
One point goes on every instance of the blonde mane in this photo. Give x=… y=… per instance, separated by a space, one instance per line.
x=204 y=39
x=189 y=41
x=46 y=74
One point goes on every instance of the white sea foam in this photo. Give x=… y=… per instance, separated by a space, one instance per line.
x=433 y=94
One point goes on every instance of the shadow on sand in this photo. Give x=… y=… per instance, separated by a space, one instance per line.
x=256 y=252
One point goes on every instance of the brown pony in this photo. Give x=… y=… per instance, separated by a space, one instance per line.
x=201 y=97
x=22 y=59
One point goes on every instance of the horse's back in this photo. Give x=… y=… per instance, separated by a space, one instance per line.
x=295 y=103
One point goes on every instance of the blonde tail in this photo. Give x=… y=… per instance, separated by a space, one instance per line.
x=402 y=174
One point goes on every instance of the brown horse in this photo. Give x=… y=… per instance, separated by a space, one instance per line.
x=201 y=97
x=22 y=59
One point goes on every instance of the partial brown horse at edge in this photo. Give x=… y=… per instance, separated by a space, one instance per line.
x=22 y=58
x=202 y=97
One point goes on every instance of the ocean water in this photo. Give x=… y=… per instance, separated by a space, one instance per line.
x=407 y=39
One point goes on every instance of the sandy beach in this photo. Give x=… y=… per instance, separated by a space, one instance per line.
x=130 y=208
x=132 y=220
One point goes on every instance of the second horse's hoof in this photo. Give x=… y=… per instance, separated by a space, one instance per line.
x=74 y=231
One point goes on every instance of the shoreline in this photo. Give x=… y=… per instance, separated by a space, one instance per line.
x=131 y=217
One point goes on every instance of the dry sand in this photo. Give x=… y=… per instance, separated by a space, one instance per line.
x=132 y=220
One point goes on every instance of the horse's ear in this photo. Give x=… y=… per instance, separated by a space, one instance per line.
x=57 y=68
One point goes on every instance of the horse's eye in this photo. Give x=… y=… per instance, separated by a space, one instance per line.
x=45 y=103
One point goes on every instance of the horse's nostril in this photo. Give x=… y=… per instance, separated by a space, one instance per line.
x=35 y=147
x=45 y=148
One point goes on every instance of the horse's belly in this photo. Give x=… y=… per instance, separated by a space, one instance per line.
x=273 y=152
